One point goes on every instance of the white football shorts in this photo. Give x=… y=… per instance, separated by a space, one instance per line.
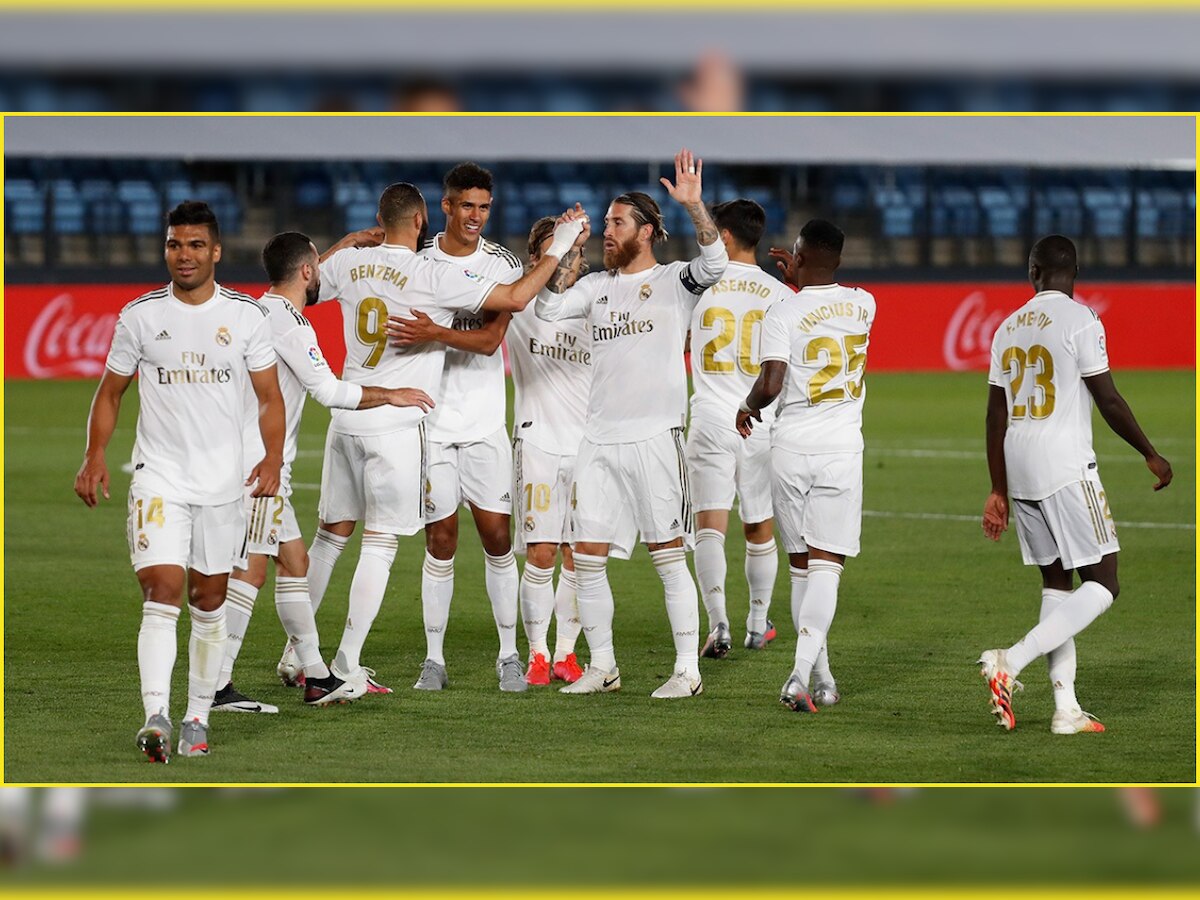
x=818 y=500
x=542 y=502
x=1073 y=524
x=270 y=521
x=721 y=464
x=479 y=472
x=624 y=489
x=375 y=479
x=162 y=532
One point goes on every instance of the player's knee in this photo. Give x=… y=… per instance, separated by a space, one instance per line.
x=540 y=555
x=757 y=532
x=441 y=539
x=205 y=597
x=496 y=541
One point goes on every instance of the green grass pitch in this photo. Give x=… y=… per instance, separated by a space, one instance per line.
x=925 y=597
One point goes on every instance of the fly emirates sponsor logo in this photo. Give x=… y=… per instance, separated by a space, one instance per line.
x=620 y=324
x=192 y=371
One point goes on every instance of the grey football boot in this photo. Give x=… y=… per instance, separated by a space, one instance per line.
x=511 y=674
x=718 y=643
x=433 y=677
x=154 y=739
x=193 y=739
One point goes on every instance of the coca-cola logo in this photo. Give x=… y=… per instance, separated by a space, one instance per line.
x=63 y=343
x=967 y=343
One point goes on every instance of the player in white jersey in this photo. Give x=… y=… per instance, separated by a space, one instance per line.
x=291 y=263
x=194 y=345
x=814 y=355
x=375 y=459
x=552 y=373
x=1049 y=362
x=630 y=473
x=469 y=456
x=726 y=329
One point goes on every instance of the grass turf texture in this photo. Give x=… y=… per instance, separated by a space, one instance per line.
x=916 y=608
x=735 y=838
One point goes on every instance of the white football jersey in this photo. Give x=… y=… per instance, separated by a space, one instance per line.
x=552 y=374
x=372 y=283
x=822 y=334
x=472 y=399
x=302 y=369
x=638 y=325
x=726 y=342
x=1040 y=356
x=193 y=365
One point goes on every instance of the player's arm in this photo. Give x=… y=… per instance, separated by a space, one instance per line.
x=1120 y=419
x=368 y=237
x=995 y=508
x=706 y=269
x=102 y=422
x=421 y=329
x=271 y=425
x=762 y=394
x=571 y=230
x=299 y=351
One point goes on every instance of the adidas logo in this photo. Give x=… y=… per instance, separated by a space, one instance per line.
x=603 y=300
x=675 y=523
x=716 y=590
x=162 y=336
x=803 y=631
x=506 y=498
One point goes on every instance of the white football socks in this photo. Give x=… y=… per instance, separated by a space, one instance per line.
x=821 y=673
x=501 y=580
x=1061 y=660
x=566 y=615
x=1075 y=613
x=814 y=616
x=683 y=610
x=537 y=605
x=206 y=651
x=437 y=589
x=322 y=557
x=709 y=558
x=296 y=614
x=366 y=596
x=156 y=649
x=239 y=607
x=596 y=609
x=799 y=580
x=762 y=565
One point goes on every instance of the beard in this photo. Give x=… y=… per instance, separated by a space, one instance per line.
x=621 y=256
x=312 y=293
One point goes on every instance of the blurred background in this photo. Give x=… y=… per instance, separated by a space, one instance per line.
x=727 y=839
x=487 y=59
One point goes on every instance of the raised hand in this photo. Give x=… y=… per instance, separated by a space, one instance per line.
x=783 y=262
x=687 y=186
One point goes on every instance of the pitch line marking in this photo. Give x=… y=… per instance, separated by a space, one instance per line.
x=954 y=517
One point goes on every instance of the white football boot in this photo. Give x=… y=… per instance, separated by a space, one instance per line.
x=595 y=681
x=681 y=684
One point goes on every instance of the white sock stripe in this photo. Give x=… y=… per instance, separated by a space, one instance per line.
x=241 y=592
x=335 y=541
x=163 y=610
x=566 y=576
x=585 y=563
x=387 y=541
x=711 y=534
x=499 y=563
x=822 y=565
x=439 y=569
x=535 y=575
x=797 y=573
x=283 y=581
x=668 y=557
x=206 y=616
x=767 y=549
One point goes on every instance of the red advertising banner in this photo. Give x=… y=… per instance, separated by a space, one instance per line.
x=64 y=331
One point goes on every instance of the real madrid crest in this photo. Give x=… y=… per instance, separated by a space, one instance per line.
x=224 y=338
x=529 y=523
x=644 y=292
x=143 y=542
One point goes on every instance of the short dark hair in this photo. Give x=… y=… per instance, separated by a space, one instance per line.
x=285 y=254
x=542 y=229
x=465 y=176
x=397 y=202
x=744 y=219
x=646 y=212
x=819 y=234
x=195 y=212
x=1055 y=254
